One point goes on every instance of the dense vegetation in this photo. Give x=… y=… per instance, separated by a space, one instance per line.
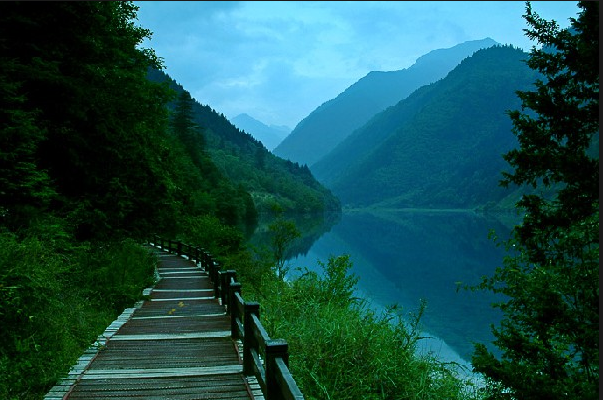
x=341 y=349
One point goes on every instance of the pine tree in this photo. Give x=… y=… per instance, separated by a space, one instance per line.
x=186 y=129
x=549 y=334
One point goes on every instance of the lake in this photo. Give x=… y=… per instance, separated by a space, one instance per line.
x=404 y=256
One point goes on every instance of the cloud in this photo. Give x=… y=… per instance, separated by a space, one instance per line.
x=279 y=60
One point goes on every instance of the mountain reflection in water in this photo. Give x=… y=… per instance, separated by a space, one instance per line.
x=402 y=257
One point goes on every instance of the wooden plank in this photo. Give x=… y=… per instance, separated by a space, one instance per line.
x=181 y=290
x=161 y=372
x=182 y=316
x=192 y=335
x=186 y=298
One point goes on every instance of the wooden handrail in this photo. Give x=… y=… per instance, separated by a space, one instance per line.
x=265 y=358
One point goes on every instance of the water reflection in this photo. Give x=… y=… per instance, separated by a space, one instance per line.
x=402 y=257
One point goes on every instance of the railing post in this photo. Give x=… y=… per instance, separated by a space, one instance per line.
x=192 y=254
x=233 y=310
x=215 y=277
x=249 y=342
x=206 y=260
x=274 y=349
x=225 y=278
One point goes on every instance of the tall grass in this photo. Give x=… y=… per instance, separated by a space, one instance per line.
x=341 y=349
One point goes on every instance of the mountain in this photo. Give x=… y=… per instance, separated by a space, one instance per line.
x=333 y=121
x=270 y=136
x=269 y=179
x=440 y=147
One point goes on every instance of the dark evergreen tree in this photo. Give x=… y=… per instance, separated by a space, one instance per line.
x=25 y=189
x=549 y=335
x=99 y=121
x=186 y=129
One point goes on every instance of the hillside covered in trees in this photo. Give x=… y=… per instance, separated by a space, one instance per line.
x=246 y=162
x=87 y=137
x=439 y=148
x=331 y=123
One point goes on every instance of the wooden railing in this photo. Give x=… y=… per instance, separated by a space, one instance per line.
x=265 y=358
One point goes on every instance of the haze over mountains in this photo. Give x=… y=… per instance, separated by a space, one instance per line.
x=270 y=136
x=442 y=146
x=430 y=136
x=393 y=141
x=333 y=121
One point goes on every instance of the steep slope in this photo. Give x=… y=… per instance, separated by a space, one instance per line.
x=440 y=147
x=333 y=121
x=245 y=161
x=270 y=136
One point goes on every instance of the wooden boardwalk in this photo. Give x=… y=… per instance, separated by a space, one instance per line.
x=176 y=345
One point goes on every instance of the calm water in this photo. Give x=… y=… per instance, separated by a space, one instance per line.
x=404 y=256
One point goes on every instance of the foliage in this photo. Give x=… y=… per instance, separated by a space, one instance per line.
x=217 y=238
x=24 y=186
x=209 y=192
x=186 y=129
x=75 y=92
x=101 y=152
x=340 y=349
x=56 y=298
x=283 y=233
x=549 y=335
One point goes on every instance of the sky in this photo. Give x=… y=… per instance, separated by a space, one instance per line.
x=279 y=60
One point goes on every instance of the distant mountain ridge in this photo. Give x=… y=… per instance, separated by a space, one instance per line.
x=442 y=146
x=270 y=136
x=322 y=130
x=270 y=180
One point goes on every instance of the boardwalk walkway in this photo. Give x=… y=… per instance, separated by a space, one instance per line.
x=176 y=345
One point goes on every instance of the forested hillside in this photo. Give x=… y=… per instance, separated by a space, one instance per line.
x=247 y=163
x=336 y=119
x=87 y=138
x=440 y=147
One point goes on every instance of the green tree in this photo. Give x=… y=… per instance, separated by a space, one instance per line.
x=94 y=118
x=186 y=129
x=283 y=233
x=25 y=189
x=549 y=333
